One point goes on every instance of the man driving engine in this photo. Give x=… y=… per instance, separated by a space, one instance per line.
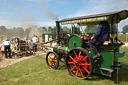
x=100 y=36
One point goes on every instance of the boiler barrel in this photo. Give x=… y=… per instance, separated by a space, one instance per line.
x=61 y=49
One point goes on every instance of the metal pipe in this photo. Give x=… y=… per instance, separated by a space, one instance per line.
x=112 y=30
x=58 y=32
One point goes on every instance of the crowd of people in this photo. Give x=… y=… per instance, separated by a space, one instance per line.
x=15 y=42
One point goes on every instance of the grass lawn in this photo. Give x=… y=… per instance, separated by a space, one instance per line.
x=35 y=71
x=124 y=41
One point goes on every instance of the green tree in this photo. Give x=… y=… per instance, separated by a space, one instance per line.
x=19 y=32
x=53 y=30
x=125 y=29
x=43 y=28
x=9 y=33
x=90 y=29
x=49 y=28
x=66 y=29
x=3 y=30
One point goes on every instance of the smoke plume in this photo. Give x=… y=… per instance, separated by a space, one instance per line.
x=46 y=10
x=49 y=13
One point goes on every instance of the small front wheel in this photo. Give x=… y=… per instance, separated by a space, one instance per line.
x=52 y=60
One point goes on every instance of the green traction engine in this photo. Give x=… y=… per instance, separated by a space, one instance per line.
x=74 y=50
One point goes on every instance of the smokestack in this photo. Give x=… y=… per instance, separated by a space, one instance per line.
x=58 y=32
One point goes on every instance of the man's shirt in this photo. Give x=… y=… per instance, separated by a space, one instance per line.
x=35 y=39
x=5 y=43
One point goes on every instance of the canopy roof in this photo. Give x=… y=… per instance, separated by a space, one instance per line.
x=96 y=19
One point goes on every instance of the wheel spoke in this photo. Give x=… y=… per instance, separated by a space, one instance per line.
x=71 y=58
x=54 y=56
x=79 y=53
x=71 y=63
x=72 y=68
x=85 y=64
x=54 y=60
x=50 y=63
x=85 y=58
x=50 y=57
x=55 y=63
x=86 y=70
x=74 y=52
x=51 y=54
x=77 y=72
x=81 y=73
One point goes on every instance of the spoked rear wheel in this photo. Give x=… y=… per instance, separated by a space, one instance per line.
x=79 y=63
x=52 y=60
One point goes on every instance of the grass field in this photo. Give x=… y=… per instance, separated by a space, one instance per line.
x=34 y=71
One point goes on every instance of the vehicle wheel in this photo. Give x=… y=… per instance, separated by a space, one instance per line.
x=79 y=63
x=52 y=60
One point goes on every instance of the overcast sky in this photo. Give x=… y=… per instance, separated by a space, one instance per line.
x=26 y=13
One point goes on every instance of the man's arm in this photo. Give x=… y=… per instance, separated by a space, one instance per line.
x=1 y=45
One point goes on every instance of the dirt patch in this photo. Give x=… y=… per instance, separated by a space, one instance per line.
x=6 y=62
x=14 y=79
x=126 y=44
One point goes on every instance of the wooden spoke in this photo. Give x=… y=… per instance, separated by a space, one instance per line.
x=50 y=63
x=54 y=56
x=71 y=63
x=54 y=60
x=86 y=70
x=81 y=73
x=85 y=58
x=85 y=64
x=74 y=52
x=51 y=54
x=79 y=53
x=55 y=63
x=77 y=72
x=49 y=57
x=72 y=68
x=71 y=58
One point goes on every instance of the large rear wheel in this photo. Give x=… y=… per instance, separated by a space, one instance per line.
x=52 y=60
x=79 y=63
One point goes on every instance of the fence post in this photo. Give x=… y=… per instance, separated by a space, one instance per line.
x=126 y=37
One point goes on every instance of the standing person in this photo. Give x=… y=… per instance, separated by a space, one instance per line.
x=35 y=41
x=50 y=40
x=100 y=36
x=7 y=49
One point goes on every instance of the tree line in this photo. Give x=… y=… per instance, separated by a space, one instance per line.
x=20 y=32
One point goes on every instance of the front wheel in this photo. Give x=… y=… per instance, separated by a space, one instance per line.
x=52 y=60
x=79 y=63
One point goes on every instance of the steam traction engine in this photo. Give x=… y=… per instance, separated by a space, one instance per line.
x=76 y=52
